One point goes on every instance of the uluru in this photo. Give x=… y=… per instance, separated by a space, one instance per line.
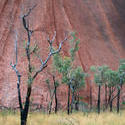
x=99 y=24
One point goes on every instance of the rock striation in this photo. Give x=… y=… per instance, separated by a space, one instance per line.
x=100 y=25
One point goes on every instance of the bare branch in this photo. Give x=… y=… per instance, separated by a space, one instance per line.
x=17 y=74
x=51 y=51
x=48 y=39
x=60 y=45
x=114 y=97
x=40 y=70
x=40 y=59
x=29 y=33
x=113 y=90
x=25 y=24
x=28 y=13
x=16 y=51
x=44 y=64
x=54 y=36
x=51 y=41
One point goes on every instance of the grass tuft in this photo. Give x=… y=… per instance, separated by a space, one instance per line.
x=78 y=118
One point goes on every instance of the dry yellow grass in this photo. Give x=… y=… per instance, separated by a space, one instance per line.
x=63 y=119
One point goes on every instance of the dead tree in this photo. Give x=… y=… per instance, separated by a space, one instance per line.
x=31 y=77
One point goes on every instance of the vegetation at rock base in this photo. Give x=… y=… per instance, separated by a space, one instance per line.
x=74 y=77
x=90 y=96
x=78 y=118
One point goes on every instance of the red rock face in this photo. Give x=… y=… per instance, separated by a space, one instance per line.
x=100 y=27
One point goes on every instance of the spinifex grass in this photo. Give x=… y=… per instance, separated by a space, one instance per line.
x=79 y=118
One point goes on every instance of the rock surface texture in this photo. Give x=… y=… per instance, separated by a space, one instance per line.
x=100 y=25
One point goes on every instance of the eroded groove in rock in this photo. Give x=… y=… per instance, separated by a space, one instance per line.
x=100 y=25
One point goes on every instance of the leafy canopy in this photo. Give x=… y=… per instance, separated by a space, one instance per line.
x=74 y=44
x=78 y=77
x=65 y=65
x=99 y=76
x=121 y=71
x=112 y=78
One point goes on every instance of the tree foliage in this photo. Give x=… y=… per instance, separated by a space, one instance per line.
x=112 y=78
x=72 y=75
x=65 y=65
x=74 y=43
x=100 y=74
x=78 y=76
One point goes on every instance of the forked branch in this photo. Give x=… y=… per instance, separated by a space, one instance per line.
x=17 y=74
x=51 y=52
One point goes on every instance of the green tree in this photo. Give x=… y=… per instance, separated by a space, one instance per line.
x=78 y=82
x=121 y=73
x=53 y=92
x=100 y=80
x=113 y=81
x=65 y=66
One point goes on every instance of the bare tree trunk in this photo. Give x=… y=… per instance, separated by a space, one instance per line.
x=90 y=97
x=56 y=101
x=111 y=105
x=56 y=104
x=106 y=105
x=98 y=104
x=109 y=97
x=118 y=100
x=26 y=107
x=23 y=119
x=72 y=101
x=112 y=98
x=50 y=107
x=68 y=104
x=77 y=102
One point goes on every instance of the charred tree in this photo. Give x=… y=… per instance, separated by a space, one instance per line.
x=31 y=77
x=68 y=103
x=118 y=97
x=72 y=102
x=99 y=99
x=90 y=94
x=106 y=105
x=55 y=91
